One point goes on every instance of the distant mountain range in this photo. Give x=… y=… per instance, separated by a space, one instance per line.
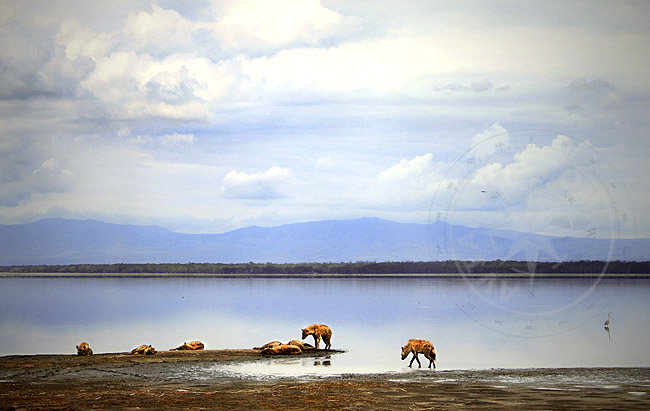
x=63 y=241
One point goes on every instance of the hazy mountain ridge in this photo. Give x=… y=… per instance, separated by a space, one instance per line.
x=62 y=241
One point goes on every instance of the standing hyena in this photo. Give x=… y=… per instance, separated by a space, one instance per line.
x=419 y=346
x=318 y=331
x=84 y=349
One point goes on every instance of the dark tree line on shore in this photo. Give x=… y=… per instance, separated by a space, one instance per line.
x=404 y=267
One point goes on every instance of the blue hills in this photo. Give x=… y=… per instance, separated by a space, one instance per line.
x=65 y=241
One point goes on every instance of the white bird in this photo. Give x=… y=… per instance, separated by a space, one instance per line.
x=609 y=317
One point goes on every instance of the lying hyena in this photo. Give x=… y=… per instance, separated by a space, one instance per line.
x=419 y=346
x=318 y=331
x=282 y=349
x=268 y=345
x=303 y=345
x=84 y=349
x=191 y=346
x=144 y=350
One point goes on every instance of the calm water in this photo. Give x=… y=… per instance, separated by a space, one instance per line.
x=474 y=324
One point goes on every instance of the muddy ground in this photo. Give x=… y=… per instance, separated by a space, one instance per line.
x=121 y=381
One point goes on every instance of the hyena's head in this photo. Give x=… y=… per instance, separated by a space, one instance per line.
x=305 y=333
x=405 y=352
x=83 y=348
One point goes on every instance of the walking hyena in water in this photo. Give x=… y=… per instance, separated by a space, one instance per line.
x=318 y=331
x=419 y=346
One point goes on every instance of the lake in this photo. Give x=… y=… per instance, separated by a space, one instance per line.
x=474 y=323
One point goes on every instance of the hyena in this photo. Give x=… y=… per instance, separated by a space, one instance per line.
x=84 y=349
x=303 y=345
x=144 y=349
x=268 y=345
x=416 y=346
x=318 y=331
x=190 y=346
x=282 y=349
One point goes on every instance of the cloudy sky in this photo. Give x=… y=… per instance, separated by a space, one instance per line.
x=211 y=115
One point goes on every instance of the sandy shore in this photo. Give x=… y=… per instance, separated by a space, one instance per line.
x=121 y=381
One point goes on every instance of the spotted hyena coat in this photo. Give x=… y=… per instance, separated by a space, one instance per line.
x=319 y=331
x=268 y=345
x=303 y=345
x=190 y=346
x=416 y=346
x=84 y=349
x=282 y=349
x=144 y=349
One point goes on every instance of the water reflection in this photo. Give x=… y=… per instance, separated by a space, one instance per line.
x=370 y=318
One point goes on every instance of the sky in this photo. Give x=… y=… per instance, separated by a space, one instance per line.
x=208 y=116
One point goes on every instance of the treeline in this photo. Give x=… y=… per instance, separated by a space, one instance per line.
x=405 y=267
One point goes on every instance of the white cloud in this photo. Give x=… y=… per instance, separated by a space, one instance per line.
x=273 y=183
x=597 y=93
x=476 y=86
x=527 y=170
x=177 y=139
x=488 y=141
x=130 y=85
x=258 y=24
x=415 y=171
x=24 y=183
x=407 y=184
x=532 y=167
x=81 y=41
x=30 y=169
x=159 y=32
x=363 y=68
x=304 y=84
x=563 y=187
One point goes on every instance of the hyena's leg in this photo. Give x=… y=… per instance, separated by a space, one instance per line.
x=430 y=361
x=316 y=340
x=415 y=357
x=326 y=340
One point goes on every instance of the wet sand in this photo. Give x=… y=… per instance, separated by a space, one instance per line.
x=121 y=381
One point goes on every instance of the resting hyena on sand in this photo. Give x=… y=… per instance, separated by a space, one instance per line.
x=303 y=345
x=268 y=345
x=318 y=331
x=300 y=344
x=282 y=349
x=419 y=346
x=190 y=346
x=144 y=350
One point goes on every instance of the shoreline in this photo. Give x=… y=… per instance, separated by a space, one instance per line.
x=324 y=276
x=177 y=380
x=8 y=361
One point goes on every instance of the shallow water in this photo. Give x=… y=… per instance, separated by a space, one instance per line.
x=475 y=324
